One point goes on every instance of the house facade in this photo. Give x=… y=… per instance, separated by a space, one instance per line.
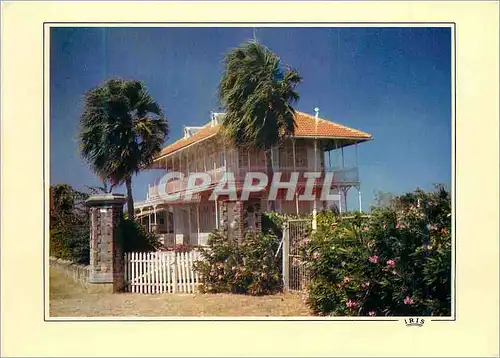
x=193 y=211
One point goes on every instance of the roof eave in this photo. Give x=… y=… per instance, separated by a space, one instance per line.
x=185 y=147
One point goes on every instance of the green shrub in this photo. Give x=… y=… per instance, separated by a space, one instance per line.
x=59 y=246
x=136 y=238
x=251 y=267
x=71 y=242
x=396 y=262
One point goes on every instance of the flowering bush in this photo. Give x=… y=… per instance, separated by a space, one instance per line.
x=249 y=267
x=395 y=262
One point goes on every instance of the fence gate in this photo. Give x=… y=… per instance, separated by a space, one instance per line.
x=295 y=274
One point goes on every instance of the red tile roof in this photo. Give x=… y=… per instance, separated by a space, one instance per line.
x=306 y=126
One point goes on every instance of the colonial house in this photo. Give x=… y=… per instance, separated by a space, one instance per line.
x=189 y=216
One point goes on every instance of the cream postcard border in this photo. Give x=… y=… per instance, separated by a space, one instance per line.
x=474 y=333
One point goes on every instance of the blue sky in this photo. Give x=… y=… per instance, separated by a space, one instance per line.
x=394 y=83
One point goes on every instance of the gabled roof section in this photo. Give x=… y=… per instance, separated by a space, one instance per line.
x=307 y=126
x=207 y=131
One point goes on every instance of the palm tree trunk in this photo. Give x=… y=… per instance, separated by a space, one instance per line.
x=269 y=163
x=130 y=199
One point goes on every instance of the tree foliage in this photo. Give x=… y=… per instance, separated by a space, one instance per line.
x=70 y=228
x=257 y=92
x=122 y=129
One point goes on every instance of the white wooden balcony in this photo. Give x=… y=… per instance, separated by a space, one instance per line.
x=341 y=177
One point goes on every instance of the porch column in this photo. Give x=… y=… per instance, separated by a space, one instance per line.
x=216 y=213
x=340 y=199
x=356 y=148
x=343 y=164
x=225 y=159
x=345 y=190
x=155 y=226
x=167 y=220
x=198 y=223
x=150 y=221
x=314 y=221
x=106 y=254
x=189 y=221
x=294 y=169
x=359 y=198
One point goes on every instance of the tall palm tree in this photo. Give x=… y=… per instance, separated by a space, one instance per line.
x=258 y=93
x=122 y=129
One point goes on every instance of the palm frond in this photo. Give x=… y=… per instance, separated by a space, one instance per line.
x=258 y=94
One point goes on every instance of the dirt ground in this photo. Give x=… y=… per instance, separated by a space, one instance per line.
x=69 y=299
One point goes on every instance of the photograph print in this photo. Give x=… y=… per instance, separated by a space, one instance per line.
x=250 y=172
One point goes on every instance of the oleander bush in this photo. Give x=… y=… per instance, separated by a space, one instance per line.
x=395 y=262
x=250 y=267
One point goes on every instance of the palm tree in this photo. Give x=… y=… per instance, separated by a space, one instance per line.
x=122 y=129
x=258 y=93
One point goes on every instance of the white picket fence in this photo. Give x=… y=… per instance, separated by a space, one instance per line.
x=161 y=272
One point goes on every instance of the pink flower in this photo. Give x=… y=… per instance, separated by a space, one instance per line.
x=351 y=304
x=346 y=279
x=316 y=255
x=365 y=228
x=373 y=259
x=220 y=277
x=371 y=313
x=391 y=262
x=408 y=300
x=398 y=225
x=385 y=226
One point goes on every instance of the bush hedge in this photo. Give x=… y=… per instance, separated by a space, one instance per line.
x=395 y=262
x=70 y=229
x=250 y=267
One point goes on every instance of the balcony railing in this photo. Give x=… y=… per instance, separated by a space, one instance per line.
x=341 y=176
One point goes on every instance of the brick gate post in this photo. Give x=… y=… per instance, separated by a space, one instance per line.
x=106 y=252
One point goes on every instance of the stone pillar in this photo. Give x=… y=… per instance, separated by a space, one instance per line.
x=240 y=220
x=258 y=217
x=106 y=253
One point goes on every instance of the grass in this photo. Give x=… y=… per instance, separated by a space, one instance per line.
x=69 y=299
